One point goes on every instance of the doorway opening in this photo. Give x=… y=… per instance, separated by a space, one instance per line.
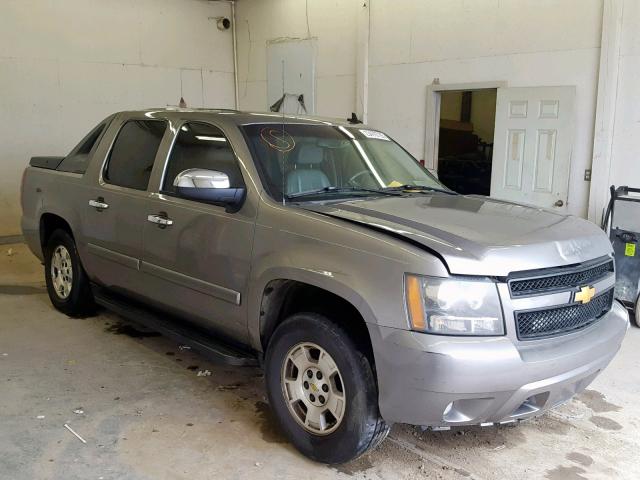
x=465 y=139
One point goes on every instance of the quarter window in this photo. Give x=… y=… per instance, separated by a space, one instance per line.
x=203 y=146
x=133 y=153
x=78 y=159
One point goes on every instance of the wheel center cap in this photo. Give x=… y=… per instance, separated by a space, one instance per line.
x=315 y=388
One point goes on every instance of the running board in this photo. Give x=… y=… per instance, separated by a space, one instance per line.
x=211 y=348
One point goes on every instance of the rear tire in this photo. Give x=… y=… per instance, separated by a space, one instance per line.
x=357 y=425
x=636 y=312
x=67 y=283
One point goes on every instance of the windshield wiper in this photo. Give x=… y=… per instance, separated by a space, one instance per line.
x=402 y=188
x=320 y=191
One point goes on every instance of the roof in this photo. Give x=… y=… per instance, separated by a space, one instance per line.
x=236 y=116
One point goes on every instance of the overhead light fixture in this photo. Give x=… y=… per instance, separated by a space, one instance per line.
x=211 y=139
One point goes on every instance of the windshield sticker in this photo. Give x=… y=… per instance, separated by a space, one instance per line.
x=277 y=139
x=375 y=135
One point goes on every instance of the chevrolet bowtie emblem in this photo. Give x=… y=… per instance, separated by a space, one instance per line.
x=585 y=294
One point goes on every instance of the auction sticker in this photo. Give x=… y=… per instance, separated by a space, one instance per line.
x=374 y=134
x=630 y=249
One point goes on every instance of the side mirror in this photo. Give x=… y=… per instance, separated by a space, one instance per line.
x=209 y=186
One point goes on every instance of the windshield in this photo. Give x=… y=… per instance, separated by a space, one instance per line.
x=324 y=160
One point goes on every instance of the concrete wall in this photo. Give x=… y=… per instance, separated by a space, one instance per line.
x=66 y=64
x=625 y=153
x=332 y=22
x=53 y=87
x=524 y=42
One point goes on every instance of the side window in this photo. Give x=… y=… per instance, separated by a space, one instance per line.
x=200 y=145
x=78 y=159
x=133 y=153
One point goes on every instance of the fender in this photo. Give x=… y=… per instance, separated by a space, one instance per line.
x=47 y=189
x=329 y=281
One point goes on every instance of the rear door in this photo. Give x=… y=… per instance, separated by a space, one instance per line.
x=115 y=206
x=532 y=145
x=198 y=266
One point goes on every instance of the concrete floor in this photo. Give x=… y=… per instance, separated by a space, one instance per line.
x=145 y=413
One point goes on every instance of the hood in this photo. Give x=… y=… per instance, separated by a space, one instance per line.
x=478 y=235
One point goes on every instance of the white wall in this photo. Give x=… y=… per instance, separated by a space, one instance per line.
x=625 y=152
x=66 y=64
x=525 y=43
x=332 y=22
x=522 y=42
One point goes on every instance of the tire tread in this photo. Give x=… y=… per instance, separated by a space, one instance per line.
x=376 y=429
x=80 y=302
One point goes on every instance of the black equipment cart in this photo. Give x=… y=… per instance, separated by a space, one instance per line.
x=622 y=221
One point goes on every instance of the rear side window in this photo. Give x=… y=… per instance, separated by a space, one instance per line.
x=133 y=153
x=78 y=159
x=200 y=145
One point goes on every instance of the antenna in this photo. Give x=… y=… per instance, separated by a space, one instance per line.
x=284 y=197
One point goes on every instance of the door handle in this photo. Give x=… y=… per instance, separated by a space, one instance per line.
x=98 y=204
x=161 y=220
x=559 y=203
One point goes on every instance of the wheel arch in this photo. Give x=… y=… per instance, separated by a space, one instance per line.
x=284 y=296
x=49 y=223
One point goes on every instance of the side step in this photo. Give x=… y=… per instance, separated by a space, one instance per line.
x=211 y=348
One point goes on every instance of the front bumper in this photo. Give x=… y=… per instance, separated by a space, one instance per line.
x=442 y=381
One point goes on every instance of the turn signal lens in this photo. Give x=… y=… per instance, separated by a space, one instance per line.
x=414 y=302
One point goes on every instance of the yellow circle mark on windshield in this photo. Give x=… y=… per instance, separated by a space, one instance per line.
x=277 y=139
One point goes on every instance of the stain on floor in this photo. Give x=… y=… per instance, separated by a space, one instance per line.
x=566 y=473
x=356 y=466
x=580 y=458
x=597 y=402
x=130 y=330
x=269 y=427
x=605 y=423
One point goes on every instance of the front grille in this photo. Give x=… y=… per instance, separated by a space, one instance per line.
x=548 y=322
x=559 y=279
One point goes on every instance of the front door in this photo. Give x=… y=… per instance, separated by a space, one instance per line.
x=532 y=145
x=196 y=263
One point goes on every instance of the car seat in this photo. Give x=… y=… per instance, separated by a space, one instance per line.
x=306 y=174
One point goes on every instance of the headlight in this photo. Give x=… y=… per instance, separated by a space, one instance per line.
x=453 y=307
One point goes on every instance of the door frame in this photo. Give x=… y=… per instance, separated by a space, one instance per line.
x=432 y=123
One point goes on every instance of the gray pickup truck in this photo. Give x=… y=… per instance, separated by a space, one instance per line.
x=370 y=293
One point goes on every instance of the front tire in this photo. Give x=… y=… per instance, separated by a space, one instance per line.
x=636 y=312
x=322 y=389
x=67 y=283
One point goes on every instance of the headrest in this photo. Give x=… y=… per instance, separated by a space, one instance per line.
x=310 y=155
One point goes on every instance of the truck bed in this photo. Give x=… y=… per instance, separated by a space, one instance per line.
x=50 y=163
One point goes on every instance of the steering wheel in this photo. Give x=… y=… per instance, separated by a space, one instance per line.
x=352 y=181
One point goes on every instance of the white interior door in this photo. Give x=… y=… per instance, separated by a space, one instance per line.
x=533 y=141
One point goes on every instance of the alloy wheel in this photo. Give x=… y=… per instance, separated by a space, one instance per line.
x=313 y=388
x=61 y=272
